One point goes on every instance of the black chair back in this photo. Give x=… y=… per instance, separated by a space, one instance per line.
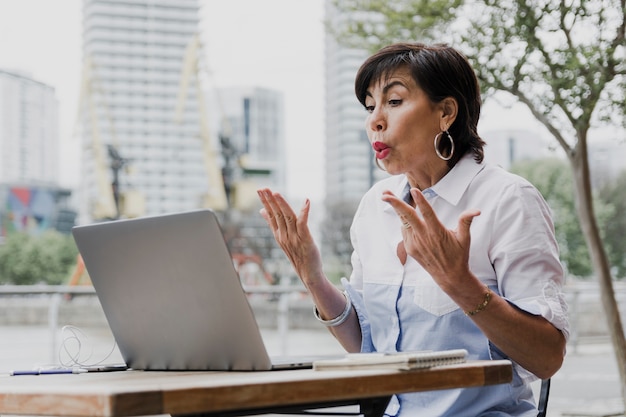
x=544 y=393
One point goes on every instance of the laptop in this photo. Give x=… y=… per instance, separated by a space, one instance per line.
x=171 y=295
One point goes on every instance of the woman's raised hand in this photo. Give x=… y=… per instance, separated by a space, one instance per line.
x=292 y=234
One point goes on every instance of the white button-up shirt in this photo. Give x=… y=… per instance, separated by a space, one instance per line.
x=400 y=307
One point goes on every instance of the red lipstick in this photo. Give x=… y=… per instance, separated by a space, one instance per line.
x=381 y=149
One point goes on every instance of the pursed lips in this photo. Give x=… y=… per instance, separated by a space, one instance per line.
x=381 y=149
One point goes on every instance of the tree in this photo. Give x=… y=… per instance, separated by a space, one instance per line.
x=47 y=258
x=565 y=61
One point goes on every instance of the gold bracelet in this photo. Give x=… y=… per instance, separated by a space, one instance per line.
x=480 y=307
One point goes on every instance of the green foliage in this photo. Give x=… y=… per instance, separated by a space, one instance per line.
x=379 y=22
x=47 y=258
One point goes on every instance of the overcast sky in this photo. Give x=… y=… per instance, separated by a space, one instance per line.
x=268 y=43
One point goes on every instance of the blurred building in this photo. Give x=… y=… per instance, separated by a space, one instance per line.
x=29 y=131
x=350 y=168
x=31 y=200
x=133 y=54
x=252 y=141
x=152 y=130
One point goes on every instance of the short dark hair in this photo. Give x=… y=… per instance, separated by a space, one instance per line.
x=441 y=71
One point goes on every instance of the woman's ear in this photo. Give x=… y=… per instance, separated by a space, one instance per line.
x=450 y=109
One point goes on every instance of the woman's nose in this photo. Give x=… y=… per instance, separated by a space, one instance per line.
x=376 y=121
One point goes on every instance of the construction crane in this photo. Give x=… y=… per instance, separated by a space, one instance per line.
x=116 y=164
x=110 y=201
x=216 y=197
x=228 y=187
x=104 y=205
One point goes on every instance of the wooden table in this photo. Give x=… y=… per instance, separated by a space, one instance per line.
x=133 y=393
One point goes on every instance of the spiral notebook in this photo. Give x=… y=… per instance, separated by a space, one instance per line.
x=403 y=361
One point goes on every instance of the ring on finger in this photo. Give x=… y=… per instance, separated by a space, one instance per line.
x=406 y=225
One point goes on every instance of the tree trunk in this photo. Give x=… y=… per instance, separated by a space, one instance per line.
x=599 y=259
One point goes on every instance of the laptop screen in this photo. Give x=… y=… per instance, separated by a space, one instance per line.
x=171 y=294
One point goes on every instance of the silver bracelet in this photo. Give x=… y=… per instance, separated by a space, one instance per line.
x=337 y=320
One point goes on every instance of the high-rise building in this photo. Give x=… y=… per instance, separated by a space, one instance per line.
x=252 y=121
x=29 y=132
x=350 y=168
x=30 y=197
x=133 y=53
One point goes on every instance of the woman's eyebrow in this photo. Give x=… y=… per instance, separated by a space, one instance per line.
x=386 y=88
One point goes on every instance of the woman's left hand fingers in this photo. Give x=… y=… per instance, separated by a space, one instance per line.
x=427 y=239
x=424 y=207
x=407 y=214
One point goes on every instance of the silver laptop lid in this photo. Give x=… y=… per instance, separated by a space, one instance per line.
x=170 y=293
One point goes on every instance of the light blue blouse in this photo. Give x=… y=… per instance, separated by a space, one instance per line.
x=401 y=308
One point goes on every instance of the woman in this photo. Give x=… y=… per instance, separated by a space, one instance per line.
x=421 y=280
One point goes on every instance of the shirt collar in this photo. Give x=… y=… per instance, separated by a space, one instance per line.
x=454 y=184
x=400 y=189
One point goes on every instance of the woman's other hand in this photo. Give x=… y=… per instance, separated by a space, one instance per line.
x=292 y=234
x=444 y=253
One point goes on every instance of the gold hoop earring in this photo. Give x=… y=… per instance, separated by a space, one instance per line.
x=436 y=143
x=378 y=165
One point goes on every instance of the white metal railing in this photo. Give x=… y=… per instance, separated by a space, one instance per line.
x=580 y=293
x=57 y=292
